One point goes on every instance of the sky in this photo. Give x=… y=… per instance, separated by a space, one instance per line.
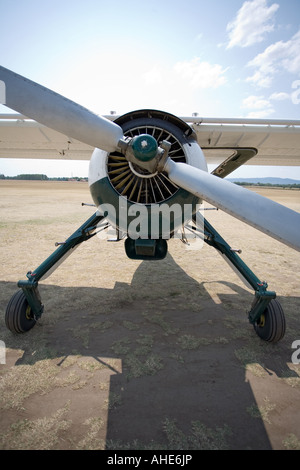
x=218 y=58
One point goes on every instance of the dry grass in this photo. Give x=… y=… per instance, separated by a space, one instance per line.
x=153 y=355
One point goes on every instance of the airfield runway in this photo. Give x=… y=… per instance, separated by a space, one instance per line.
x=143 y=355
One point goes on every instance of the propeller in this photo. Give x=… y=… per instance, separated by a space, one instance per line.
x=59 y=113
x=73 y=120
x=65 y=116
x=265 y=215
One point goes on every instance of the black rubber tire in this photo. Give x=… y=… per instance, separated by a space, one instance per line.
x=18 y=315
x=270 y=326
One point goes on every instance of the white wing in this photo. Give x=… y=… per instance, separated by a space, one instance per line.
x=227 y=143
x=24 y=138
x=277 y=141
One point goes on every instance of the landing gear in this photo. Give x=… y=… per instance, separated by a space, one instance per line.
x=25 y=306
x=270 y=326
x=19 y=317
x=266 y=314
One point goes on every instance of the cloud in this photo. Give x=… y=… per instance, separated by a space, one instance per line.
x=256 y=102
x=194 y=73
x=199 y=74
x=261 y=107
x=279 y=96
x=177 y=87
x=253 y=21
x=278 y=57
x=262 y=114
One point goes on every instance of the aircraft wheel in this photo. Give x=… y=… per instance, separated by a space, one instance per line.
x=270 y=326
x=19 y=317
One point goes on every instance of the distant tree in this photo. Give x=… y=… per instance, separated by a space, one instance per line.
x=37 y=176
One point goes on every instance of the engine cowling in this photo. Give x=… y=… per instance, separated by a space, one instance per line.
x=146 y=206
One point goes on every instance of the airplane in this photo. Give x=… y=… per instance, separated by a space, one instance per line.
x=150 y=159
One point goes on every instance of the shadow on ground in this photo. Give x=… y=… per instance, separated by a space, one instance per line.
x=165 y=364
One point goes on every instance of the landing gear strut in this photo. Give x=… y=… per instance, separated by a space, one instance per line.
x=25 y=306
x=266 y=314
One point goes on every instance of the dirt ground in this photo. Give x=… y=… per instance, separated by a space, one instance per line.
x=143 y=355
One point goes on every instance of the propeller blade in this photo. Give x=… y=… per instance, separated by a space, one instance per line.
x=59 y=113
x=265 y=215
